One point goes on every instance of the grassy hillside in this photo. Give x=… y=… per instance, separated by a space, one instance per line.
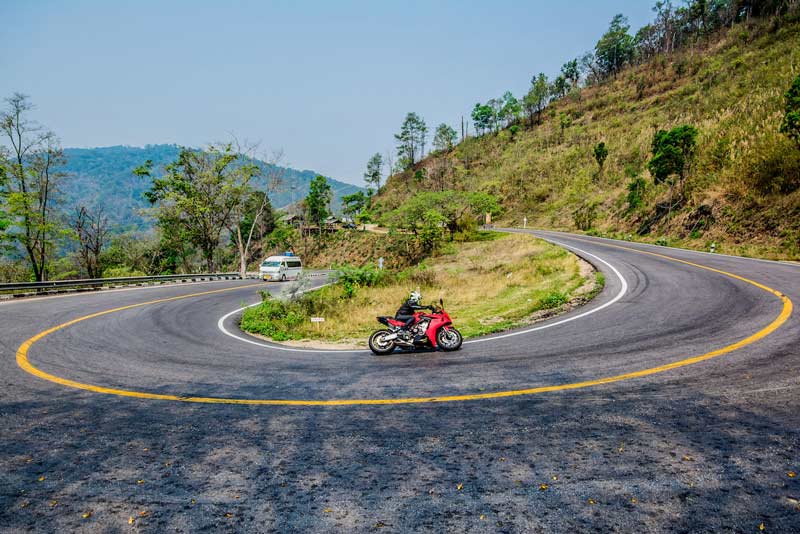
x=358 y=248
x=742 y=191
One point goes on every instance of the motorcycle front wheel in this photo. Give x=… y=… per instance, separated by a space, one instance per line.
x=449 y=339
x=379 y=345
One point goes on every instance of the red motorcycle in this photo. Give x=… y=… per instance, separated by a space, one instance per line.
x=429 y=330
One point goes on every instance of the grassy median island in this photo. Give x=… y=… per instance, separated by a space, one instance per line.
x=488 y=285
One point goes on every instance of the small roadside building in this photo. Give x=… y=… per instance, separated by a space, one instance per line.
x=292 y=219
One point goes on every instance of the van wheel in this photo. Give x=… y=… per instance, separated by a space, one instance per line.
x=283 y=278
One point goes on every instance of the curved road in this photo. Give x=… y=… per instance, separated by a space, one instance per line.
x=670 y=402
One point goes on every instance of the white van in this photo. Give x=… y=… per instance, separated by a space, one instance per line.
x=282 y=268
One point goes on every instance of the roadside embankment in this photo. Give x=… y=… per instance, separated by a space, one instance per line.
x=490 y=285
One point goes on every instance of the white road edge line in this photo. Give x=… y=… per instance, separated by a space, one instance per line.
x=623 y=290
x=660 y=247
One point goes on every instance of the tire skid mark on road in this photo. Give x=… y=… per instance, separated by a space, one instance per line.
x=783 y=316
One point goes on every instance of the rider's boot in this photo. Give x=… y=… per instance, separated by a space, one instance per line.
x=405 y=335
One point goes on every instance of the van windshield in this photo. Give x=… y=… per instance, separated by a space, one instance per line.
x=271 y=264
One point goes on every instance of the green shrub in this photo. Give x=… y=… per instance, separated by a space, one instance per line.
x=270 y=318
x=353 y=278
x=554 y=299
x=636 y=189
x=367 y=276
x=673 y=151
x=584 y=216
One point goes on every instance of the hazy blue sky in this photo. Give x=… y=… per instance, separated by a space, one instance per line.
x=328 y=82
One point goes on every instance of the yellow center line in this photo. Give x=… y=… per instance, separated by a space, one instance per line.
x=786 y=311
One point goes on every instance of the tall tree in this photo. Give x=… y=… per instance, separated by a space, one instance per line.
x=411 y=140
x=445 y=137
x=665 y=25
x=571 y=72
x=496 y=105
x=591 y=69
x=353 y=205
x=256 y=222
x=510 y=108
x=199 y=192
x=318 y=201
x=5 y=217
x=482 y=117
x=536 y=99
x=615 y=47
x=252 y=205
x=373 y=175
x=559 y=87
x=646 y=42
x=91 y=231
x=33 y=169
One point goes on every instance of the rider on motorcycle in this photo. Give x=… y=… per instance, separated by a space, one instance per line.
x=407 y=310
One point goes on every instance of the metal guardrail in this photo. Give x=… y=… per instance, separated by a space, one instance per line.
x=100 y=282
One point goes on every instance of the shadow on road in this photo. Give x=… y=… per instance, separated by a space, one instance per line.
x=629 y=459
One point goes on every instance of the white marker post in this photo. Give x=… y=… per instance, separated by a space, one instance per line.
x=380 y=263
x=317 y=320
x=524 y=222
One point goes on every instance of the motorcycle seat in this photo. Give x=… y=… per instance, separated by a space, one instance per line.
x=388 y=320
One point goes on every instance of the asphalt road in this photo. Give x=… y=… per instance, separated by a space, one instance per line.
x=704 y=446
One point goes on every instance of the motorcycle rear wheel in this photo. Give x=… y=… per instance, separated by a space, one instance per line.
x=449 y=339
x=380 y=346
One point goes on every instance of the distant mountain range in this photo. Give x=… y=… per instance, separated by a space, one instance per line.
x=103 y=177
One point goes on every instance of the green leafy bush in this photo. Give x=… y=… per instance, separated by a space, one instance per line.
x=636 y=189
x=353 y=278
x=673 y=150
x=552 y=300
x=600 y=154
x=366 y=276
x=271 y=317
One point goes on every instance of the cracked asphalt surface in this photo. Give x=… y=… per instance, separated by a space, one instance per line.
x=709 y=447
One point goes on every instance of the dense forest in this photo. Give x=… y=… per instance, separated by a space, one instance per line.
x=103 y=177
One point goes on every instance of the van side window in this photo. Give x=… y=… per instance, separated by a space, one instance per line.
x=295 y=264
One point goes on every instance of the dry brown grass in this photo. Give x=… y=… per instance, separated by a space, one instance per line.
x=486 y=286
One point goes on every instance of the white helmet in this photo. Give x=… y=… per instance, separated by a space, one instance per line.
x=415 y=297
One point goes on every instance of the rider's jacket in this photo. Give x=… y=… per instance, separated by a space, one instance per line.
x=409 y=308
